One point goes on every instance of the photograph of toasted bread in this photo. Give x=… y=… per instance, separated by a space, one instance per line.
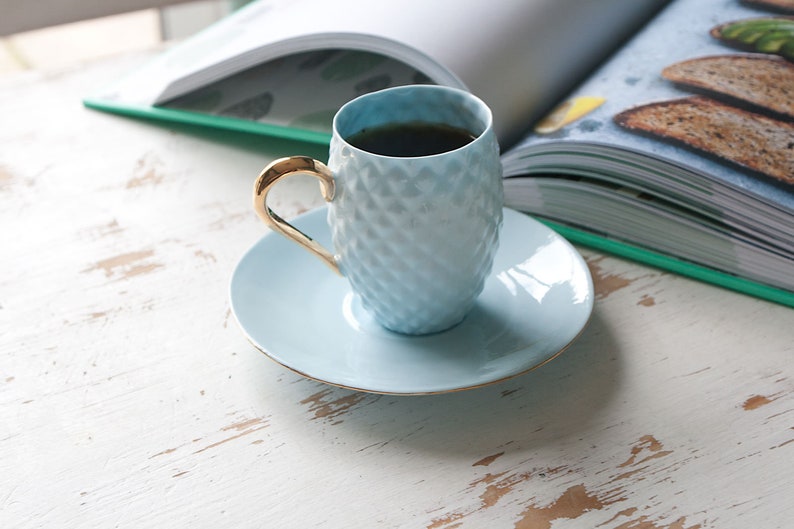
x=773 y=35
x=753 y=141
x=781 y=6
x=760 y=82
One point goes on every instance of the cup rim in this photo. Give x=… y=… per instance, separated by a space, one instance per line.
x=488 y=115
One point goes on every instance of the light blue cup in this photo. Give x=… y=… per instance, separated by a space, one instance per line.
x=414 y=236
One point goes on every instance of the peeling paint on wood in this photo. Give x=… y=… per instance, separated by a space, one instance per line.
x=107 y=229
x=643 y=522
x=324 y=408
x=647 y=301
x=572 y=504
x=485 y=461
x=126 y=265
x=227 y=220
x=205 y=255
x=612 y=498
x=164 y=452
x=244 y=427
x=604 y=282
x=5 y=179
x=129 y=397
x=146 y=173
x=755 y=402
x=647 y=448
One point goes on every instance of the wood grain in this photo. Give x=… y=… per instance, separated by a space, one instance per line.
x=129 y=397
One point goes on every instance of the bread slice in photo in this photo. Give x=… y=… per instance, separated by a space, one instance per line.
x=760 y=81
x=753 y=141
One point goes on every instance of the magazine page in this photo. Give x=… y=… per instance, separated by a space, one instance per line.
x=691 y=123
x=686 y=91
x=518 y=55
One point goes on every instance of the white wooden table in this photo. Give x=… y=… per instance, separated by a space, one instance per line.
x=129 y=397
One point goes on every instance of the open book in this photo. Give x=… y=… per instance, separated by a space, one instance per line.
x=672 y=140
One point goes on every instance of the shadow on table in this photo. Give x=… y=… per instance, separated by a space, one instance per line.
x=555 y=401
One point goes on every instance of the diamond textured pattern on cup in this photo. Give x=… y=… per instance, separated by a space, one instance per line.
x=418 y=237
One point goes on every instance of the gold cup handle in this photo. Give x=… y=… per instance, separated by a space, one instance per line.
x=282 y=168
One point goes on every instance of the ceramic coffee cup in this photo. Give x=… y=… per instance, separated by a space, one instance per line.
x=414 y=208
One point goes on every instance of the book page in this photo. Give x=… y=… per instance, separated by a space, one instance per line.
x=517 y=55
x=635 y=77
x=300 y=91
x=697 y=126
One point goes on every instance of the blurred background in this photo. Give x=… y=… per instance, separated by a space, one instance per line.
x=48 y=34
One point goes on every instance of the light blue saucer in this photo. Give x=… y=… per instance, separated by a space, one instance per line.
x=537 y=300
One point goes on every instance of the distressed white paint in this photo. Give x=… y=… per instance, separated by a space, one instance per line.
x=129 y=398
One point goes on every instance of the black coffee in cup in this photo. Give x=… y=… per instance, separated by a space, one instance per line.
x=416 y=138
